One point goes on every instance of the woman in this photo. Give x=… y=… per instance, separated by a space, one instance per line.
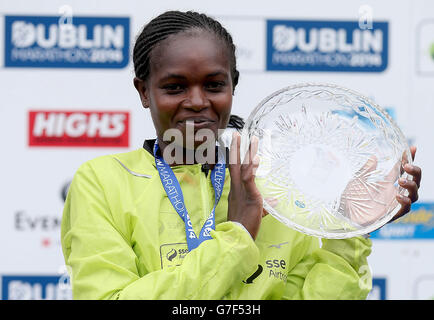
x=137 y=226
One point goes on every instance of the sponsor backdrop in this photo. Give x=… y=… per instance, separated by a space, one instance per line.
x=67 y=96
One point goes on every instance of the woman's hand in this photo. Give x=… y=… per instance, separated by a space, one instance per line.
x=365 y=202
x=245 y=200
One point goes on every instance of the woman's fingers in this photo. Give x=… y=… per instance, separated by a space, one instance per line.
x=248 y=169
x=412 y=188
x=250 y=161
x=415 y=172
x=234 y=159
x=411 y=185
x=253 y=149
x=405 y=203
x=413 y=150
x=245 y=172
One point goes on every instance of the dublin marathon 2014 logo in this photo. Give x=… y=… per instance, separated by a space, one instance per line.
x=330 y=46
x=80 y=42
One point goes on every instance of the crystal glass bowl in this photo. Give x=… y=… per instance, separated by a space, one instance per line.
x=330 y=160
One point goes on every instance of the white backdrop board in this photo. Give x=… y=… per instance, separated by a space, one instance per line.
x=68 y=96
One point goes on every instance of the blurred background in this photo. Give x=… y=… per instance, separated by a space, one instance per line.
x=67 y=95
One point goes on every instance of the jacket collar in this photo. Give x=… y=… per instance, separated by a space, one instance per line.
x=148 y=145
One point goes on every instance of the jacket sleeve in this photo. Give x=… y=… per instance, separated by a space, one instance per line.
x=337 y=271
x=104 y=265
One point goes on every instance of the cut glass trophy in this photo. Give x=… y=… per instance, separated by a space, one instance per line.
x=330 y=160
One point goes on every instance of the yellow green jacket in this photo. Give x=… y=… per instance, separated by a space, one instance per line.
x=123 y=239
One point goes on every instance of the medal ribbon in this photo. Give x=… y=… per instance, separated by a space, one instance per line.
x=174 y=193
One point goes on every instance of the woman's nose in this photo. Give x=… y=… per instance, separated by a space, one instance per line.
x=197 y=99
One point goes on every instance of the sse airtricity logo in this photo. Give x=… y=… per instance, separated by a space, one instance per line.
x=48 y=42
x=333 y=46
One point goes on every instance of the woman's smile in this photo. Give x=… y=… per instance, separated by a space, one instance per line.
x=196 y=123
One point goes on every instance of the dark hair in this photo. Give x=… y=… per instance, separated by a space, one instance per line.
x=172 y=22
x=236 y=122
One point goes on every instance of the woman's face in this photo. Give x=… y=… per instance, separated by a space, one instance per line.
x=189 y=81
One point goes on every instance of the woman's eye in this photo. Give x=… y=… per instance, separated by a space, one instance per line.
x=215 y=85
x=173 y=88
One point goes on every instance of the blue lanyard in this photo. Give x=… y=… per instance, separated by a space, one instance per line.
x=174 y=193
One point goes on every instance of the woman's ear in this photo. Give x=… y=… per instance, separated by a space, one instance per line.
x=140 y=86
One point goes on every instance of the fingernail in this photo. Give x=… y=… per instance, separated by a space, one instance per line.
x=402 y=181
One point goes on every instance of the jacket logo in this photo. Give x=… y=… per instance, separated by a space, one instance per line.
x=276 y=270
x=278 y=246
x=172 y=254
